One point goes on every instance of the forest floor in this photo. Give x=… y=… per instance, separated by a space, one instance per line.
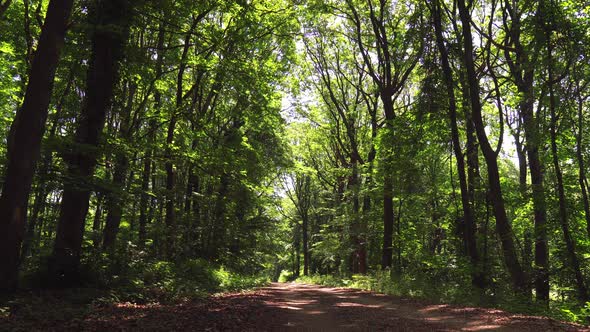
x=279 y=307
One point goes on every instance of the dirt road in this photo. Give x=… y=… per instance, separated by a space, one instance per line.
x=313 y=308
x=287 y=307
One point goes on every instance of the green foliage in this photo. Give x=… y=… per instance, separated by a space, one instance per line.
x=241 y=132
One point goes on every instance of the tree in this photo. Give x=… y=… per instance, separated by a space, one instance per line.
x=110 y=28
x=503 y=226
x=24 y=141
x=389 y=72
x=549 y=13
x=522 y=68
x=468 y=217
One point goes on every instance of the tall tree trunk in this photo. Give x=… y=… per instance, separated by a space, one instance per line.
x=4 y=7
x=522 y=165
x=388 y=214
x=151 y=138
x=503 y=226
x=143 y=202
x=107 y=46
x=219 y=227
x=24 y=141
x=170 y=218
x=304 y=197
x=582 y=179
x=305 y=238
x=40 y=197
x=115 y=203
x=388 y=222
x=390 y=78
x=358 y=229
x=297 y=265
x=563 y=218
x=523 y=72
x=43 y=173
x=539 y=206
x=115 y=197
x=471 y=147
x=97 y=222
x=477 y=277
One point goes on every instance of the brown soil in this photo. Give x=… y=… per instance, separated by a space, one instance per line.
x=313 y=308
x=290 y=307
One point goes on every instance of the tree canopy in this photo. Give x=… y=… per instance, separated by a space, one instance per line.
x=435 y=147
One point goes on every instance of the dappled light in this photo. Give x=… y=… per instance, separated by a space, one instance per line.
x=271 y=165
x=293 y=306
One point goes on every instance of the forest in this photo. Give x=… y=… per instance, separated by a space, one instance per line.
x=158 y=150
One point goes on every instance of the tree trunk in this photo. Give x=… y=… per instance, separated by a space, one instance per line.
x=539 y=209
x=3 y=7
x=170 y=218
x=43 y=189
x=477 y=277
x=24 y=141
x=115 y=197
x=143 y=202
x=388 y=214
x=305 y=238
x=388 y=222
x=115 y=203
x=297 y=265
x=97 y=222
x=107 y=46
x=563 y=218
x=38 y=204
x=151 y=138
x=219 y=230
x=522 y=166
x=359 y=255
x=473 y=175
x=582 y=179
x=523 y=73
x=503 y=226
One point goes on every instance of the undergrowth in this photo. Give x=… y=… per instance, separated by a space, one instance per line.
x=130 y=274
x=106 y=280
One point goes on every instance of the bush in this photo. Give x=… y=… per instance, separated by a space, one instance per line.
x=286 y=276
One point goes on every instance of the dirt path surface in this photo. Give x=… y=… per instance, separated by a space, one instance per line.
x=288 y=307
x=313 y=308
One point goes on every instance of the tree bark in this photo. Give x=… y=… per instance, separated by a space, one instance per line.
x=522 y=166
x=151 y=138
x=24 y=141
x=97 y=222
x=563 y=217
x=523 y=72
x=477 y=277
x=503 y=226
x=115 y=197
x=305 y=238
x=107 y=46
x=359 y=255
x=388 y=222
x=170 y=218
x=40 y=197
x=4 y=7
x=582 y=178
x=389 y=77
